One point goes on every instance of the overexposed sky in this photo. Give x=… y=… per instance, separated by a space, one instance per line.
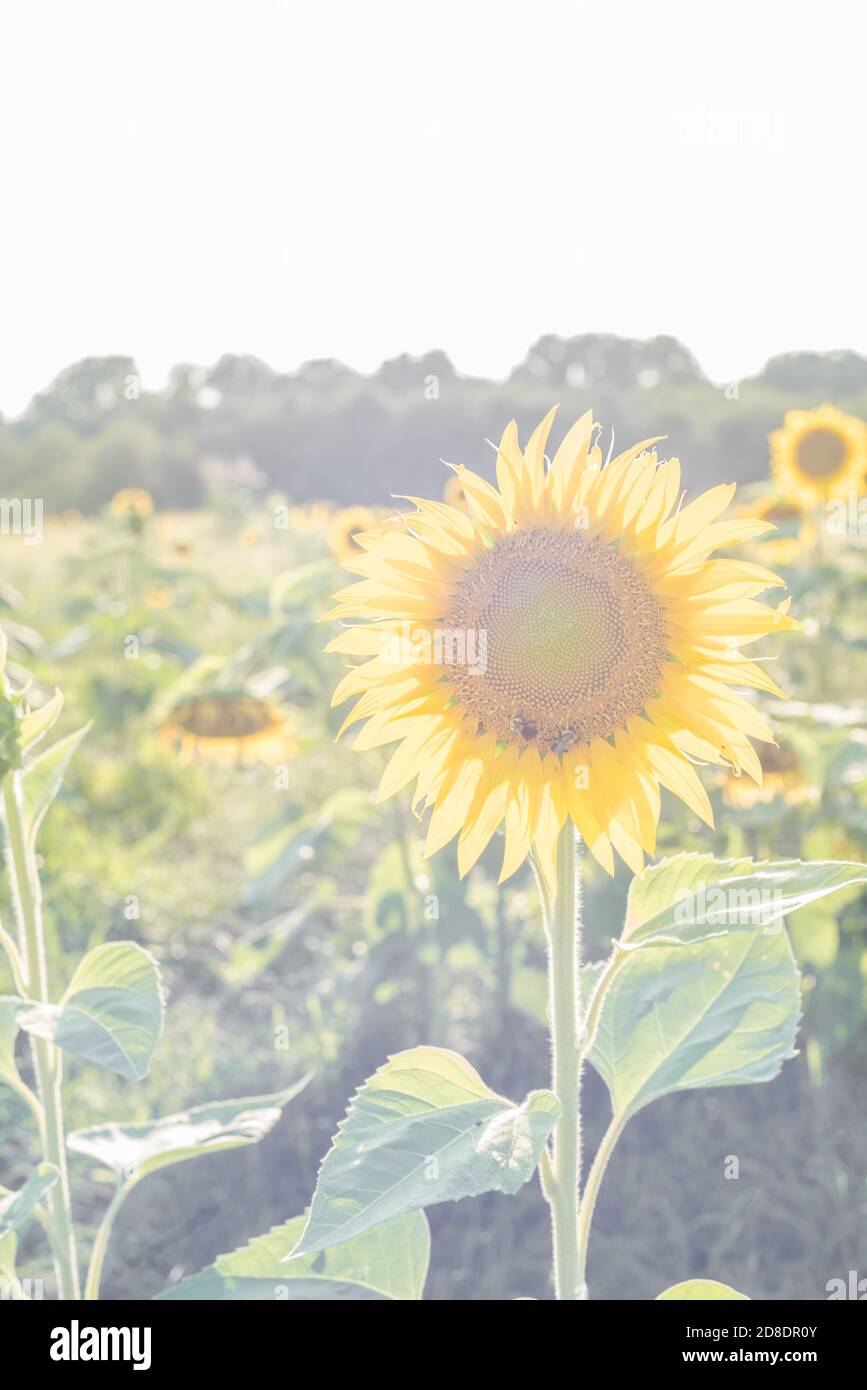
x=332 y=178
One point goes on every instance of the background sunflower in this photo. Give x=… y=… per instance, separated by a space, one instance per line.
x=819 y=454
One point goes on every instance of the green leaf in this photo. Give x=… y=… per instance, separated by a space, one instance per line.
x=388 y=1262
x=135 y=1150
x=720 y=1012
x=18 y=1206
x=111 y=1014
x=35 y=724
x=43 y=778
x=694 y=896
x=694 y=1289
x=423 y=1129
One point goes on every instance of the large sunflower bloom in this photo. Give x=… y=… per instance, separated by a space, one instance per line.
x=564 y=649
x=819 y=454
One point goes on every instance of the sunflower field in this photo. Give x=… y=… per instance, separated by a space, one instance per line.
x=450 y=897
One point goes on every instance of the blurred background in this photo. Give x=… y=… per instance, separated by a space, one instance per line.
x=264 y=266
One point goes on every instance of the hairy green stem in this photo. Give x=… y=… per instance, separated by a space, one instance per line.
x=100 y=1245
x=562 y=1177
x=591 y=1190
x=47 y=1059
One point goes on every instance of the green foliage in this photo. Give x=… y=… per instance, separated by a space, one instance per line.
x=424 y=1129
x=694 y=896
x=388 y=1262
x=112 y=1013
x=19 y=1206
x=692 y=1290
x=718 y=1012
x=95 y=430
x=133 y=1151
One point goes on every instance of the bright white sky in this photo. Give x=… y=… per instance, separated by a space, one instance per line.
x=317 y=178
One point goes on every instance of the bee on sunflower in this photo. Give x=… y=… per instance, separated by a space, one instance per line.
x=228 y=727
x=819 y=454
x=612 y=638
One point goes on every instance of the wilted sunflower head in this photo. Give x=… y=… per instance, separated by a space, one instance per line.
x=563 y=649
x=228 y=726
x=346 y=526
x=819 y=454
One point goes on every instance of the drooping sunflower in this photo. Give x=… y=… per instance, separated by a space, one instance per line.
x=229 y=726
x=819 y=454
x=346 y=526
x=564 y=649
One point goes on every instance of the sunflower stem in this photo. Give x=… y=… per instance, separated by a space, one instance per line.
x=562 y=1176
x=47 y=1060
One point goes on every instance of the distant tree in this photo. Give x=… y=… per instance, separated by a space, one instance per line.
x=83 y=395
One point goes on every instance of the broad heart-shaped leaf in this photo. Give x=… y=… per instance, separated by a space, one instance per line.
x=700 y=1289
x=18 y=1206
x=388 y=1262
x=693 y=896
x=135 y=1150
x=43 y=776
x=423 y=1129
x=111 y=1014
x=717 y=1013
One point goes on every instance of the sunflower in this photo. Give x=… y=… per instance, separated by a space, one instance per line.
x=229 y=727
x=132 y=503
x=562 y=650
x=797 y=530
x=345 y=528
x=782 y=776
x=819 y=454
